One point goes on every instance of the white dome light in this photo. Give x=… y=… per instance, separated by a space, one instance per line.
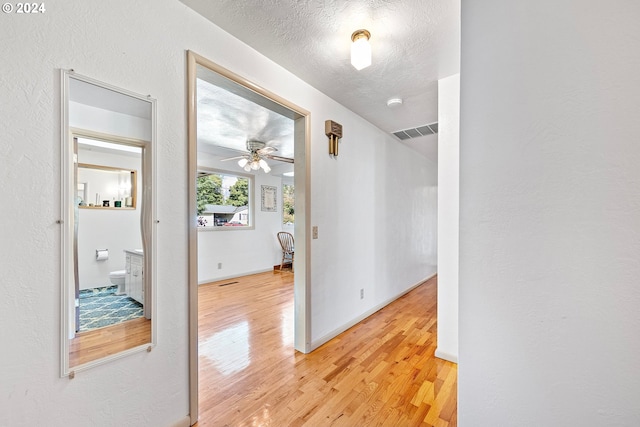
x=360 y=49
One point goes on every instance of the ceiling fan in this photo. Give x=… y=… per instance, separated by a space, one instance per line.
x=257 y=152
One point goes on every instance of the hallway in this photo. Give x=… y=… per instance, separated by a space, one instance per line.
x=380 y=372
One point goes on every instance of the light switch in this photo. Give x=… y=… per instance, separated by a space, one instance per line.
x=315 y=231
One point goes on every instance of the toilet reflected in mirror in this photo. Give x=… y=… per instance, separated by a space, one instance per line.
x=109 y=233
x=117 y=279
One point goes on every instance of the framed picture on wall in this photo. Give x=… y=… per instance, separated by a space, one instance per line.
x=269 y=198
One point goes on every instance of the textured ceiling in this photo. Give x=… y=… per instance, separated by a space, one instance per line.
x=414 y=43
x=228 y=121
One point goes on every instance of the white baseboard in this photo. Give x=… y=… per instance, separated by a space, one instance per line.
x=317 y=343
x=446 y=356
x=233 y=276
x=183 y=422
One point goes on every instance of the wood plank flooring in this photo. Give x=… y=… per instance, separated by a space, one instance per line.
x=381 y=372
x=98 y=343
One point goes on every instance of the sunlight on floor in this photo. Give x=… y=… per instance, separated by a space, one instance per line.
x=286 y=319
x=228 y=349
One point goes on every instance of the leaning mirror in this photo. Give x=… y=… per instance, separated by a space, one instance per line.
x=108 y=211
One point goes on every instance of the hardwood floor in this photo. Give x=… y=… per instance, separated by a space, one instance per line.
x=102 y=342
x=381 y=372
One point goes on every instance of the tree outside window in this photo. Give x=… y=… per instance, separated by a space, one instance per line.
x=209 y=191
x=239 y=193
x=223 y=200
x=288 y=204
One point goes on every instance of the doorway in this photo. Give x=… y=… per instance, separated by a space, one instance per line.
x=253 y=148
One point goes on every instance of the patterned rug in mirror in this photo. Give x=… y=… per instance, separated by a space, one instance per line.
x=100 y=307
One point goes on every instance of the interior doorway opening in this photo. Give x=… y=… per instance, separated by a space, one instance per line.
x=238 y=128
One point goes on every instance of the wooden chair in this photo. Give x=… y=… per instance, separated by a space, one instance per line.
x=286 y=242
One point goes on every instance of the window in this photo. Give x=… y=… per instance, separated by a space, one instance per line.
x=223 y=200
x=288 y=204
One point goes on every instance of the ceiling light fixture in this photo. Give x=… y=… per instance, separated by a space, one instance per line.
x=255 y=162
x=394 y=102
x=256 y=155
x=360 y=49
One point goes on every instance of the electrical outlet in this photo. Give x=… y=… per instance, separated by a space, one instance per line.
x=219 y=266
x=315 y=231
x=362 y=293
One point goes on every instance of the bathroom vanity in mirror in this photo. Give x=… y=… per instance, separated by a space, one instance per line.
x=134 y=273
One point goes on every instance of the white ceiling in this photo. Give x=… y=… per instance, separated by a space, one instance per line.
x=414 y=44
x=226 y=121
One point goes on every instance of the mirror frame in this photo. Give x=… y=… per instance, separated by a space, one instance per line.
x=134 y=186
x=148 y=221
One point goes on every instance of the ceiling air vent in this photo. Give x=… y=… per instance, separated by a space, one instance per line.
x=416 y=132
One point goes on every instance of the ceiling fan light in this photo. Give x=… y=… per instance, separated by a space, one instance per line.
x=265 y=167
x=255 y=165
x=360 y=49
x=247 y=167
x=242 y=162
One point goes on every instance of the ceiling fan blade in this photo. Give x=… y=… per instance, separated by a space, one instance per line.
x=233 y=158
x=267 y=150
x=279 y=158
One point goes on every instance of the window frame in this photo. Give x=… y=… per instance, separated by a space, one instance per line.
x=251 y=200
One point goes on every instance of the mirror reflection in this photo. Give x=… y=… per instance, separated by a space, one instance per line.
x=108 y=283
x=113 y=187
x=110 y=293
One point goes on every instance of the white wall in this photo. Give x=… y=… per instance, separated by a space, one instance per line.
x=139 y=48
x=241 y=251
x=448 y=215
x=388 y=249
x=549 y=214
x=112 y=229
x=375 y=208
